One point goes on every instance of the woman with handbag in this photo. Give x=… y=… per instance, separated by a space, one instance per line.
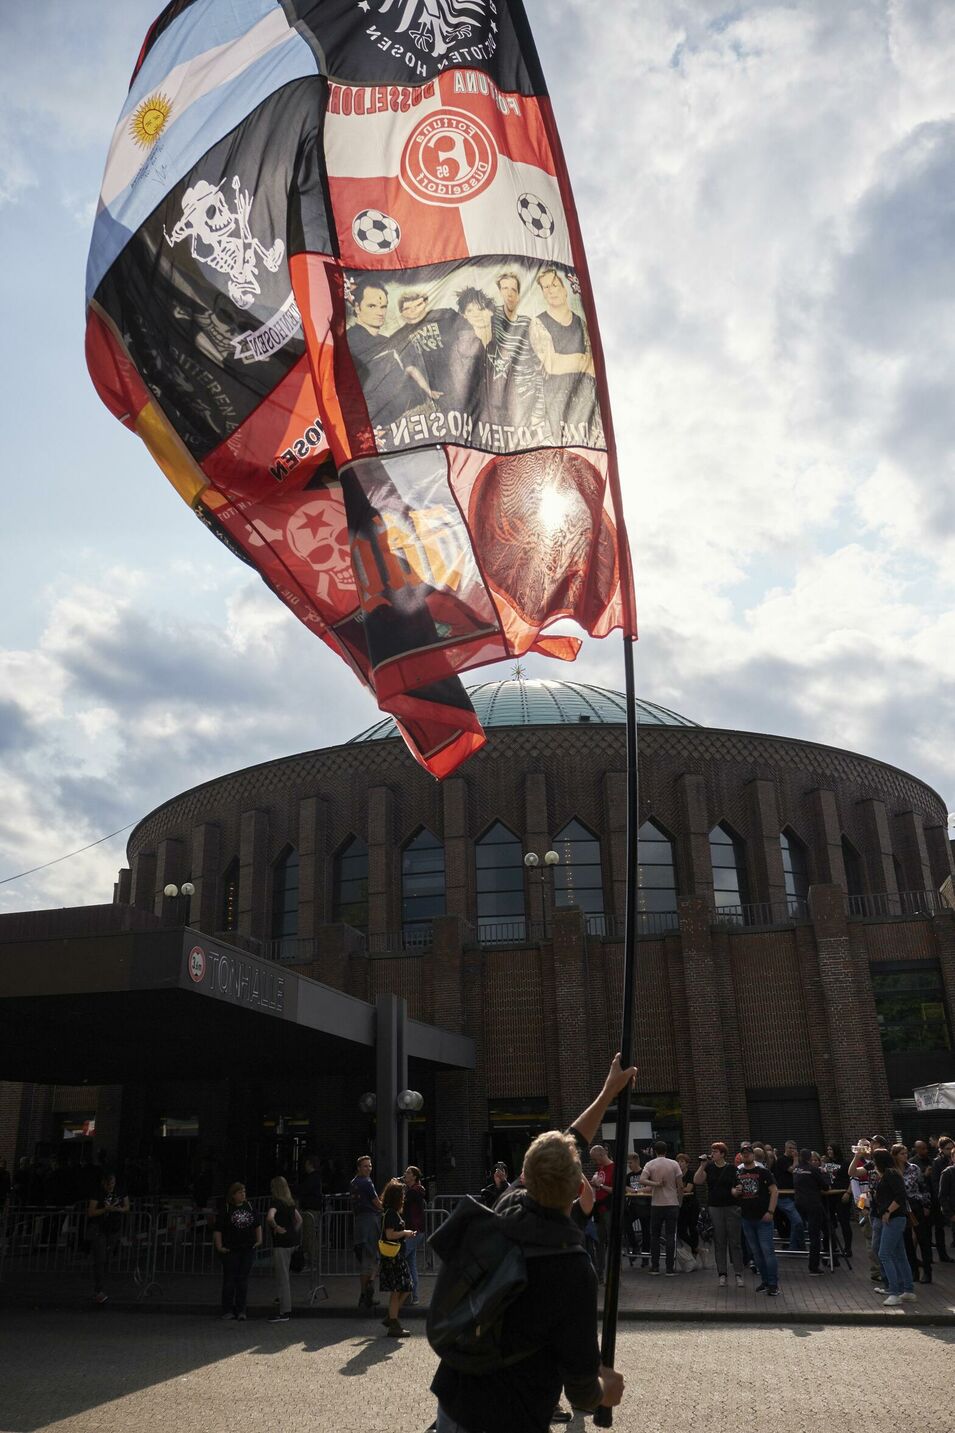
x=918 y=1231
x=285 y=1225
x=394 y=1274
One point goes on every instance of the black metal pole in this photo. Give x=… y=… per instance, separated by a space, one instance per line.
x=608 y=1342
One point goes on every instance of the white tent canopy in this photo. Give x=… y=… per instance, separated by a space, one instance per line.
x=935 y=1097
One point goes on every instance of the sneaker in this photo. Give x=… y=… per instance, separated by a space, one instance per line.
x=815 y=1273
x=241 y=1318
x=561 y=1415
x=655 y=1272
x=413 y=1300
x=100 y=1298
x=670 y=1274
x=740 y=1281
x=879 y=1290
x=909 y=1298
x=722 y=1280
x=396 y=1331
x=760 y=1288
x=892 y=1301
x=279 y=1318
x=773 y=1291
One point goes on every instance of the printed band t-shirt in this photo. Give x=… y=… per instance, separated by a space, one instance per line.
x=237 y=1225
x=757 y=1184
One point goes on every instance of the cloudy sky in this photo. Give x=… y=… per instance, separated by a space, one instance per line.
x=766 y=196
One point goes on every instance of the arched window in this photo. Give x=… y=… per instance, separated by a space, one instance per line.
x=852 y=861
x=795 y=868
x=656 y=876
x=728 y=859
x=229 y=910
x=499 y=861
x=422 y=883
x=350 y=884
x=578 y=879
x=285 y=895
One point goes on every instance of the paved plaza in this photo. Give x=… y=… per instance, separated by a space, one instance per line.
x=113 y=1370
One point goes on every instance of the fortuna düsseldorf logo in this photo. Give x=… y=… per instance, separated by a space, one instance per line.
x=450 y=157
x=197 y=964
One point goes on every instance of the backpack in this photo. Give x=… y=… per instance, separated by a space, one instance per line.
x=483 y=1271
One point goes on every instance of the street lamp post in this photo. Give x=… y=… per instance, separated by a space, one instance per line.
x=541 y=871
x=182 y=895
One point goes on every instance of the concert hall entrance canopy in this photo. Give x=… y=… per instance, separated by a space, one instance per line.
x=170 y=1003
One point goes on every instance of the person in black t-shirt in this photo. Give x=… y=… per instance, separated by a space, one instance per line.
x=757 y=1194
x=718 y=1173
x=891 y=1209
x=104 y=1225
x=391 y=386
x=809 y=1186
x=285 y=1222
x=310 y=1195
x=237 y=1235
x=444 y=347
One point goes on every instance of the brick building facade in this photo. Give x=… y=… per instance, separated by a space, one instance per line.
x=797 y=977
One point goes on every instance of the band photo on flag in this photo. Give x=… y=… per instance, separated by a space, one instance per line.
x=336 y=285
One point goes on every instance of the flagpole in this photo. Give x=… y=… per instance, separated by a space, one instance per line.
x=608 y=1343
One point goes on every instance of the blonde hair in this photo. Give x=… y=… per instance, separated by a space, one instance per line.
x=552 y=1171
x=279 y=1190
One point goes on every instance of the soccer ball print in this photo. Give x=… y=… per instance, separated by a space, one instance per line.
x=535 y=216
x=375 y=232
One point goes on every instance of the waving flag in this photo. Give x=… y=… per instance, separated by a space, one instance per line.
x=337 y=287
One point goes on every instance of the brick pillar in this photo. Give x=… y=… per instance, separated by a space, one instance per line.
x=312 y=847
x=572 y=1001
x=142 y=892
x=615 y=824
x=254 y=894
x=170 y=870
x=123 y=888
x=830 y=864
x=939 y=855
x=457 y=847
x=695 y=838
x=712 y=1096
x=536 y=838
x=944 y=929
x=861 y=1103
x=457 y=1141
x=767 y=855
x=877 y=847
x=913 y=850
x=340 y=960
x=204 y=906
x=383 y=866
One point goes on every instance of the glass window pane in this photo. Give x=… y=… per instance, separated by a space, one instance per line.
x=499 y=862
x=350 y=885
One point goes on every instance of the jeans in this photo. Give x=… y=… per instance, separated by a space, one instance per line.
x=815 y=1220
x=796 y=1227
x=688 y=1224
x=663 y=1219
x=236 y=1268
x=892 y=1257
x=727 y=1230
x=411 y=1254
x=876 y=1226
x=759 y=1234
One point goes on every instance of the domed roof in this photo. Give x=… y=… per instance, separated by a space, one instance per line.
x=522 y=701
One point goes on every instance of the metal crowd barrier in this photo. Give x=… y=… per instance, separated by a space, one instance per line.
x=173 y=1239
